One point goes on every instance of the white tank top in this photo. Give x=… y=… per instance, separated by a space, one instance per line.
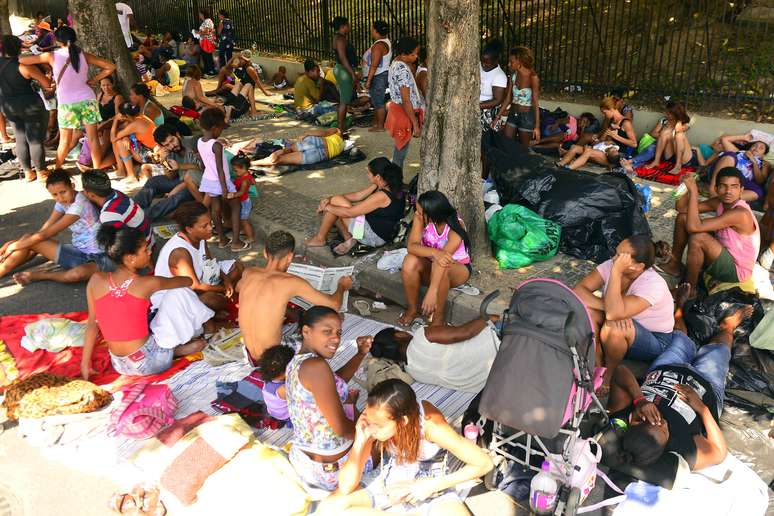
x=178 y=242
x=384 y=64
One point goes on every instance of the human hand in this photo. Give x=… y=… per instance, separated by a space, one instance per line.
x=323 y=203
x=536 y=135
x=362 y=431
x=416 y=129
x=648 y=412
x=364 y=344
x=345 y=282
x=688 y=395
x=92 y=83
x=421 y=490
x=86 y=370
x=228 y=288
x=430 y=302
x=444 y=259
x=622 y=261
x=398 y=492
x=623 y=325
x=368 y=85
x=690 y=183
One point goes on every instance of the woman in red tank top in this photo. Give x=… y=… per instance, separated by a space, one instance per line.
x=119 y=309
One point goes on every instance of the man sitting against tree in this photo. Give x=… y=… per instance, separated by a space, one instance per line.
x=183 y=172
x=726 y=244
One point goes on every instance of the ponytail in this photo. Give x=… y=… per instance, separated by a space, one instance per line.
x=68 y=36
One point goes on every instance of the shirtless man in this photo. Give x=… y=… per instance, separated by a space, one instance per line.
x=264 y=295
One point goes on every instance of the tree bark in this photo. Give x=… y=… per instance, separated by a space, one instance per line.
x=5 y=20
x=451 y=150
x=99 y=33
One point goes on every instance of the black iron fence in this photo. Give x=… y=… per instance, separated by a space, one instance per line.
x=702 y=50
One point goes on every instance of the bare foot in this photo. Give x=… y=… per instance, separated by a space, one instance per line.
x=344 y=247
x=407 y=317
x=314 y=242
x=23 y=278
x=682 y=294
x=194 y=346
x=654 y=164
x=675 y=171
x=731 y=322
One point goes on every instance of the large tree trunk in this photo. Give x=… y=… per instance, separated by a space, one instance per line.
x=450 y=152
x=99 y=33
x=5 y=21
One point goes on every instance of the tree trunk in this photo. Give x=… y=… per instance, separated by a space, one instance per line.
x=99 y=33
x=5 y=21
x=451 y=151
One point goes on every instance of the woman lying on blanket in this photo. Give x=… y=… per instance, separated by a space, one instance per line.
x=750 y=163
x=437 y=256
x=119 y=309
x=417 y=438
x=616 y=141
x=313 y=147
x=186 y=254
x=380 y=204
x=72 y=210
x=316 y=396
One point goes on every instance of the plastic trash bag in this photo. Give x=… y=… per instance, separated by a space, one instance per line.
x=521 y=236
x=703 y=316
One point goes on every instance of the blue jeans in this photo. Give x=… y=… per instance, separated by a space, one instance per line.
x=647 y=344
x=399 y=155
x=645 y=156
x=710 y=361
x=156 y=187
x=312 y=149
x=149 y=359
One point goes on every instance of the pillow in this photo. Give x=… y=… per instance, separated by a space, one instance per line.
x=184 y=455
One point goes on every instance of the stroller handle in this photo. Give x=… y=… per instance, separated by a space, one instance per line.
x=486 y=302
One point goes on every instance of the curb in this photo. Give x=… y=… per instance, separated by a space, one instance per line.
x=460 y=308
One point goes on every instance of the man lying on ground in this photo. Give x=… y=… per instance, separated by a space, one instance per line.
x=313 y=147
x=78 y=260
x=264 y=294
x=634 y=314
x=726 y=244
x=182 y=173
x=678 y=406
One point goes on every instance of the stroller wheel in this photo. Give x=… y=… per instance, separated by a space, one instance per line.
x=573 y=501
x=496 y=474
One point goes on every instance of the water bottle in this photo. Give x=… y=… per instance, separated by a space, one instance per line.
x=646 y=194
x=542 y=491
x=471 y=432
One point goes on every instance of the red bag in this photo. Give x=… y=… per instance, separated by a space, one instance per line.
x=207 y=46
x=181 y=111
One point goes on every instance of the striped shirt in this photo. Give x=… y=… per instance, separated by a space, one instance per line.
x=119 y=210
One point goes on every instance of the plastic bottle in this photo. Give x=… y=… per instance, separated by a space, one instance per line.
x=471 y=431
x=542 y=491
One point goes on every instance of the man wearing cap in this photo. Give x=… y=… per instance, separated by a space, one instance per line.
x=45 y=38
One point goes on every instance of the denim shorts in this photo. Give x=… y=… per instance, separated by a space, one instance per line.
x=317 y=474
x=709 y=361
x=378 y=90
x=245 y=207
x=69 y=257
x=149 y=359
x=313 y=149
x=647 y=344
x=524 y=122
x=370 y=238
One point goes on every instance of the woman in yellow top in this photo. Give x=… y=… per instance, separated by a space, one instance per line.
x=313 y=147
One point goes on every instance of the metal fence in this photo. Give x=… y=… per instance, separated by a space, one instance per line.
x=701 y=50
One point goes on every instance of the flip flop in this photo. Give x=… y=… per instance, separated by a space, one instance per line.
x=245 y=247
x=345 y=247
x=362 y=306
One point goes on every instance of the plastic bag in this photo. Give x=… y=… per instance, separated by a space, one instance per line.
x=521 y=236
x=703 y=316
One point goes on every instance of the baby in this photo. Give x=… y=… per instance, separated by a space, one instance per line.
x=272 y=366
x=280 y=79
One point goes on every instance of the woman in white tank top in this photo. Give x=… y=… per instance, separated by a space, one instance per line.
x=412 y=438
x=376 y=65
x=186 y=254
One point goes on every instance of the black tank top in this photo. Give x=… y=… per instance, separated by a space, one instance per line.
x=12 y=84
x=243 y=76
x=349 y=52
x=107 y=111
x=384 y=221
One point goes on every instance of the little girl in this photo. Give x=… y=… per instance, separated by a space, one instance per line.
x=272 y=365
x=216 y=181
x=437 y=256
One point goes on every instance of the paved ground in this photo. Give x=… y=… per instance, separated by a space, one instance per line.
x=286 y=202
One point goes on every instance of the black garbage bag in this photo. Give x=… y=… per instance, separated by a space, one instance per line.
x=703 y=316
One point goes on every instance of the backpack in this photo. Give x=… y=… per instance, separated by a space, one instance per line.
x=145 y=410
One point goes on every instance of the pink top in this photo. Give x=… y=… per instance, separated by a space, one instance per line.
x=742 y=248
x=208 y=159
x=431 y=238
x=652 y=288
x=73 y=86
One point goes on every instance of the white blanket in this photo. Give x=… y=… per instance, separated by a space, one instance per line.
x=742 y=493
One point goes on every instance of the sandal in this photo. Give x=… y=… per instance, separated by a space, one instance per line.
x=246 y=246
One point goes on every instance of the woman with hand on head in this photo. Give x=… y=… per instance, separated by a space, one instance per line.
x=318 y=398
x=77 y=104
x=417 y=437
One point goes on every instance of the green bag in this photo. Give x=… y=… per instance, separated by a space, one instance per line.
x=521 y=236
x=646 y=141
x=762 y=337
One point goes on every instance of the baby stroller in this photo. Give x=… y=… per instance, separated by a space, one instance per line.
x=540 y=388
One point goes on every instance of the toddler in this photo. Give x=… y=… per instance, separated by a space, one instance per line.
x=272 y=366
x=243 y=181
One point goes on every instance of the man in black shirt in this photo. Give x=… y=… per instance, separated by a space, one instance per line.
x=679 y=403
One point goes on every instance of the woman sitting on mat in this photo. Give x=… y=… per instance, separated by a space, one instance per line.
x=187 y=254
x=193 y=94
x=119 y=309
x=73 y=210
x=437 y=257
x=417 y=438
x=377 y=208
x=750 y=163
x=322 y=429
x=672 y=142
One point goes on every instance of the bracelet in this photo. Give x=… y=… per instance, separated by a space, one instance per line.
x=639 y=399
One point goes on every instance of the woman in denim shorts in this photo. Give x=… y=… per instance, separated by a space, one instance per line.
x=376 y=66
x=523 y=97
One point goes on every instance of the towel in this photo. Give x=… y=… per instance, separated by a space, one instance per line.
x=398 y=124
